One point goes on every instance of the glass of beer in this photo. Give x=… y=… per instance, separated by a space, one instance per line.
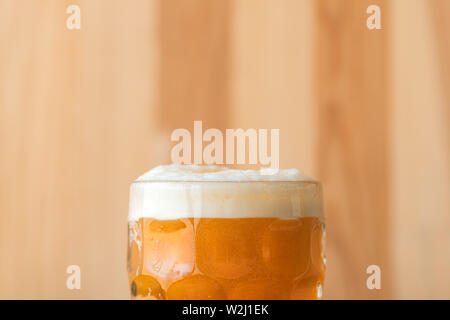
x=204 y=232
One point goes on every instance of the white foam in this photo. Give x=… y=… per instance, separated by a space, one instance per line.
x=176 y=172
x=191 y=191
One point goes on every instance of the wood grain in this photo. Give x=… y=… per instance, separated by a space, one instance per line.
x=420 y=153
x=194 y=66
x=439 y=15
x=271 y=74
x=75 y=130
x=83 y=113
x=352 y=148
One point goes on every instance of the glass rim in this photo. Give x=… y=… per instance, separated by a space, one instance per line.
x=227 y=181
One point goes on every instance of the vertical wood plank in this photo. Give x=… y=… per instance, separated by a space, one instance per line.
x=194 y=65
x=271 y=74
x=352 y=152
x=440 y=15
x=75 y=113
x=420 y=153
x=441 y=18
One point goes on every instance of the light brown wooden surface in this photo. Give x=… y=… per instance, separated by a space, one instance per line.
x=194 y=66
x=271 y=75
x=420 y=156
x=83 y=113
x=352 y=146
x=76 y=115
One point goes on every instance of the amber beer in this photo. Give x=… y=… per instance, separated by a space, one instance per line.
x=214 y=233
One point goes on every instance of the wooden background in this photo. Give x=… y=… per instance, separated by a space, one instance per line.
x=83 y=113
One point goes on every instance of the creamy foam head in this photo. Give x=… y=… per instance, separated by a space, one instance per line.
x=192 y=191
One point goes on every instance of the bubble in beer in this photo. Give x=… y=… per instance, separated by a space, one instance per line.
x=146 y=287
x=168 y=248
x=195 y=287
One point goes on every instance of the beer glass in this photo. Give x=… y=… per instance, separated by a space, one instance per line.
x=214 y=233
